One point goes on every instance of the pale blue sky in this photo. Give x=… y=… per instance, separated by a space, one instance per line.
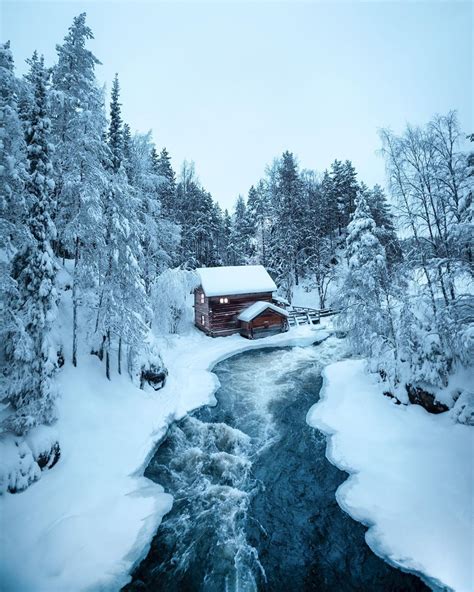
x=231 y=85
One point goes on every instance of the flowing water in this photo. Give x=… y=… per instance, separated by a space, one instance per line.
x=254 y=505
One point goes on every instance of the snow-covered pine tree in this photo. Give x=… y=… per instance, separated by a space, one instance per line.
x=320 y=258
x=286 y=237
x=383 y=218
x=240 y=235
x=80 y=155
x=159 y=237
x=196 y=214
x=344 y=191
x=12 y=159
x=123 y=304
x=364 y=299
x=32 y=355
x=167 y=188
x=258 y=213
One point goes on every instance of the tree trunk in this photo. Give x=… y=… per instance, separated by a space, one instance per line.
x=74 y=307
x=74 y=326
x=120 y=356
x=107 y=356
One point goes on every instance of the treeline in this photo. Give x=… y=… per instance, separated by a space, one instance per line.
x=295 y=223
x=414 y=318
x=79 y=192
x=77 y=188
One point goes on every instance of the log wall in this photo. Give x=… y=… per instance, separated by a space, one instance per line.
x=221 y=319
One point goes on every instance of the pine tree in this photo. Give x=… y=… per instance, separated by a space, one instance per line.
x=240 y=235
x=12 y=159
x=31 y=353
x=365 y=299
x=344 y=192
x=167 y=189
x=80 y=158
x=123 y=306
x=383 y=218
x=159 y=236
x=286 y=236
x=259 y=218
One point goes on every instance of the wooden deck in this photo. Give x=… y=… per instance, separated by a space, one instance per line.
x=299 y=315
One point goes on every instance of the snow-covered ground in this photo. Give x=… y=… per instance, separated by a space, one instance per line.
x=411 y=475
x=86 y=522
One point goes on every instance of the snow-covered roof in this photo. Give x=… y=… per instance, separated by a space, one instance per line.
x=281 y=300
x=233 y=280
x=248 y=314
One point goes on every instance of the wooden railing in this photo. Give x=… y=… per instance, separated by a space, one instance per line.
x=302 y=315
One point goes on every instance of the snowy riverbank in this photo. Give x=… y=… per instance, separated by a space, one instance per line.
x=86 y=522
x=411 y=475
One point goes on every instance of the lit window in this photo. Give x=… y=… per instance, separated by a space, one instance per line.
x=202 y=320
x=223 y=300
x=202 y=297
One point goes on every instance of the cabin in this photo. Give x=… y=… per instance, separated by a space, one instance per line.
x=237 y=299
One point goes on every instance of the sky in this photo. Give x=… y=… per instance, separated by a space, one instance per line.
x=231 y=85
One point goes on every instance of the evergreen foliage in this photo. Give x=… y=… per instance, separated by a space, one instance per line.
x=31 y=353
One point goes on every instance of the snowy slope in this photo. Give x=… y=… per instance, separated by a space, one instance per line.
x=411 y=475
x=89 y=519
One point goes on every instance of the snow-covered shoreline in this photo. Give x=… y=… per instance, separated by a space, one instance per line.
x=411 y=475
x=86 y=522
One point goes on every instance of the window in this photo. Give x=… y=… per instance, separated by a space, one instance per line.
x=203 y=320
x=202 y=297
x=224 y=300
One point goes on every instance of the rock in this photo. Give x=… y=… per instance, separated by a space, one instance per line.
x=44 y=444
x=154 y=376
x=418 y=396
x=47 y=459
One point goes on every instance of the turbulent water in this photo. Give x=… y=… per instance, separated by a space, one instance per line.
x=254 y=505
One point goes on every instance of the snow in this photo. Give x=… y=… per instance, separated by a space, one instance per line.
x=89 y=519
x=257 y=308
x=411 y=475
x=234 y=280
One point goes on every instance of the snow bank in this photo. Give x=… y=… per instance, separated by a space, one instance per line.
x=411 y=475
x=86 y=522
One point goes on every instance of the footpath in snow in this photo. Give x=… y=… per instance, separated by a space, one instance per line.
x=411 y=475
x=86 y=522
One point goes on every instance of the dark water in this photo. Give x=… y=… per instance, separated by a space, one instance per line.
x=254 y=505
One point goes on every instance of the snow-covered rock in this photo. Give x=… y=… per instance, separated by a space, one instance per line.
x=463 y=410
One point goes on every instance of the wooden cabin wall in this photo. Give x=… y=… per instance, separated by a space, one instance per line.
x=223 y=317
x=268 y=319
x=201 y=309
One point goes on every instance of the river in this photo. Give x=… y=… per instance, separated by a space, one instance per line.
x=254 y=495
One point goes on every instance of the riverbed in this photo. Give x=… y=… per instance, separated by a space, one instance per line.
x=254 y=495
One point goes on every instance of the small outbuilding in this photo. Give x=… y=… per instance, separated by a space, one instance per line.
x=237 y=299
x=262 y=319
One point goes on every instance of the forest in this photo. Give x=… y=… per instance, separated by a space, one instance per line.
x=81 y=191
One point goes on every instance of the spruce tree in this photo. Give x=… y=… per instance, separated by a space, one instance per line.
x=12 y=159
x=167 y=189
x=286 y=238
x=32 y=354
x=123 y=306
x=80 y=157
x=364 y=299
x=383 y=218
x=240 y=235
